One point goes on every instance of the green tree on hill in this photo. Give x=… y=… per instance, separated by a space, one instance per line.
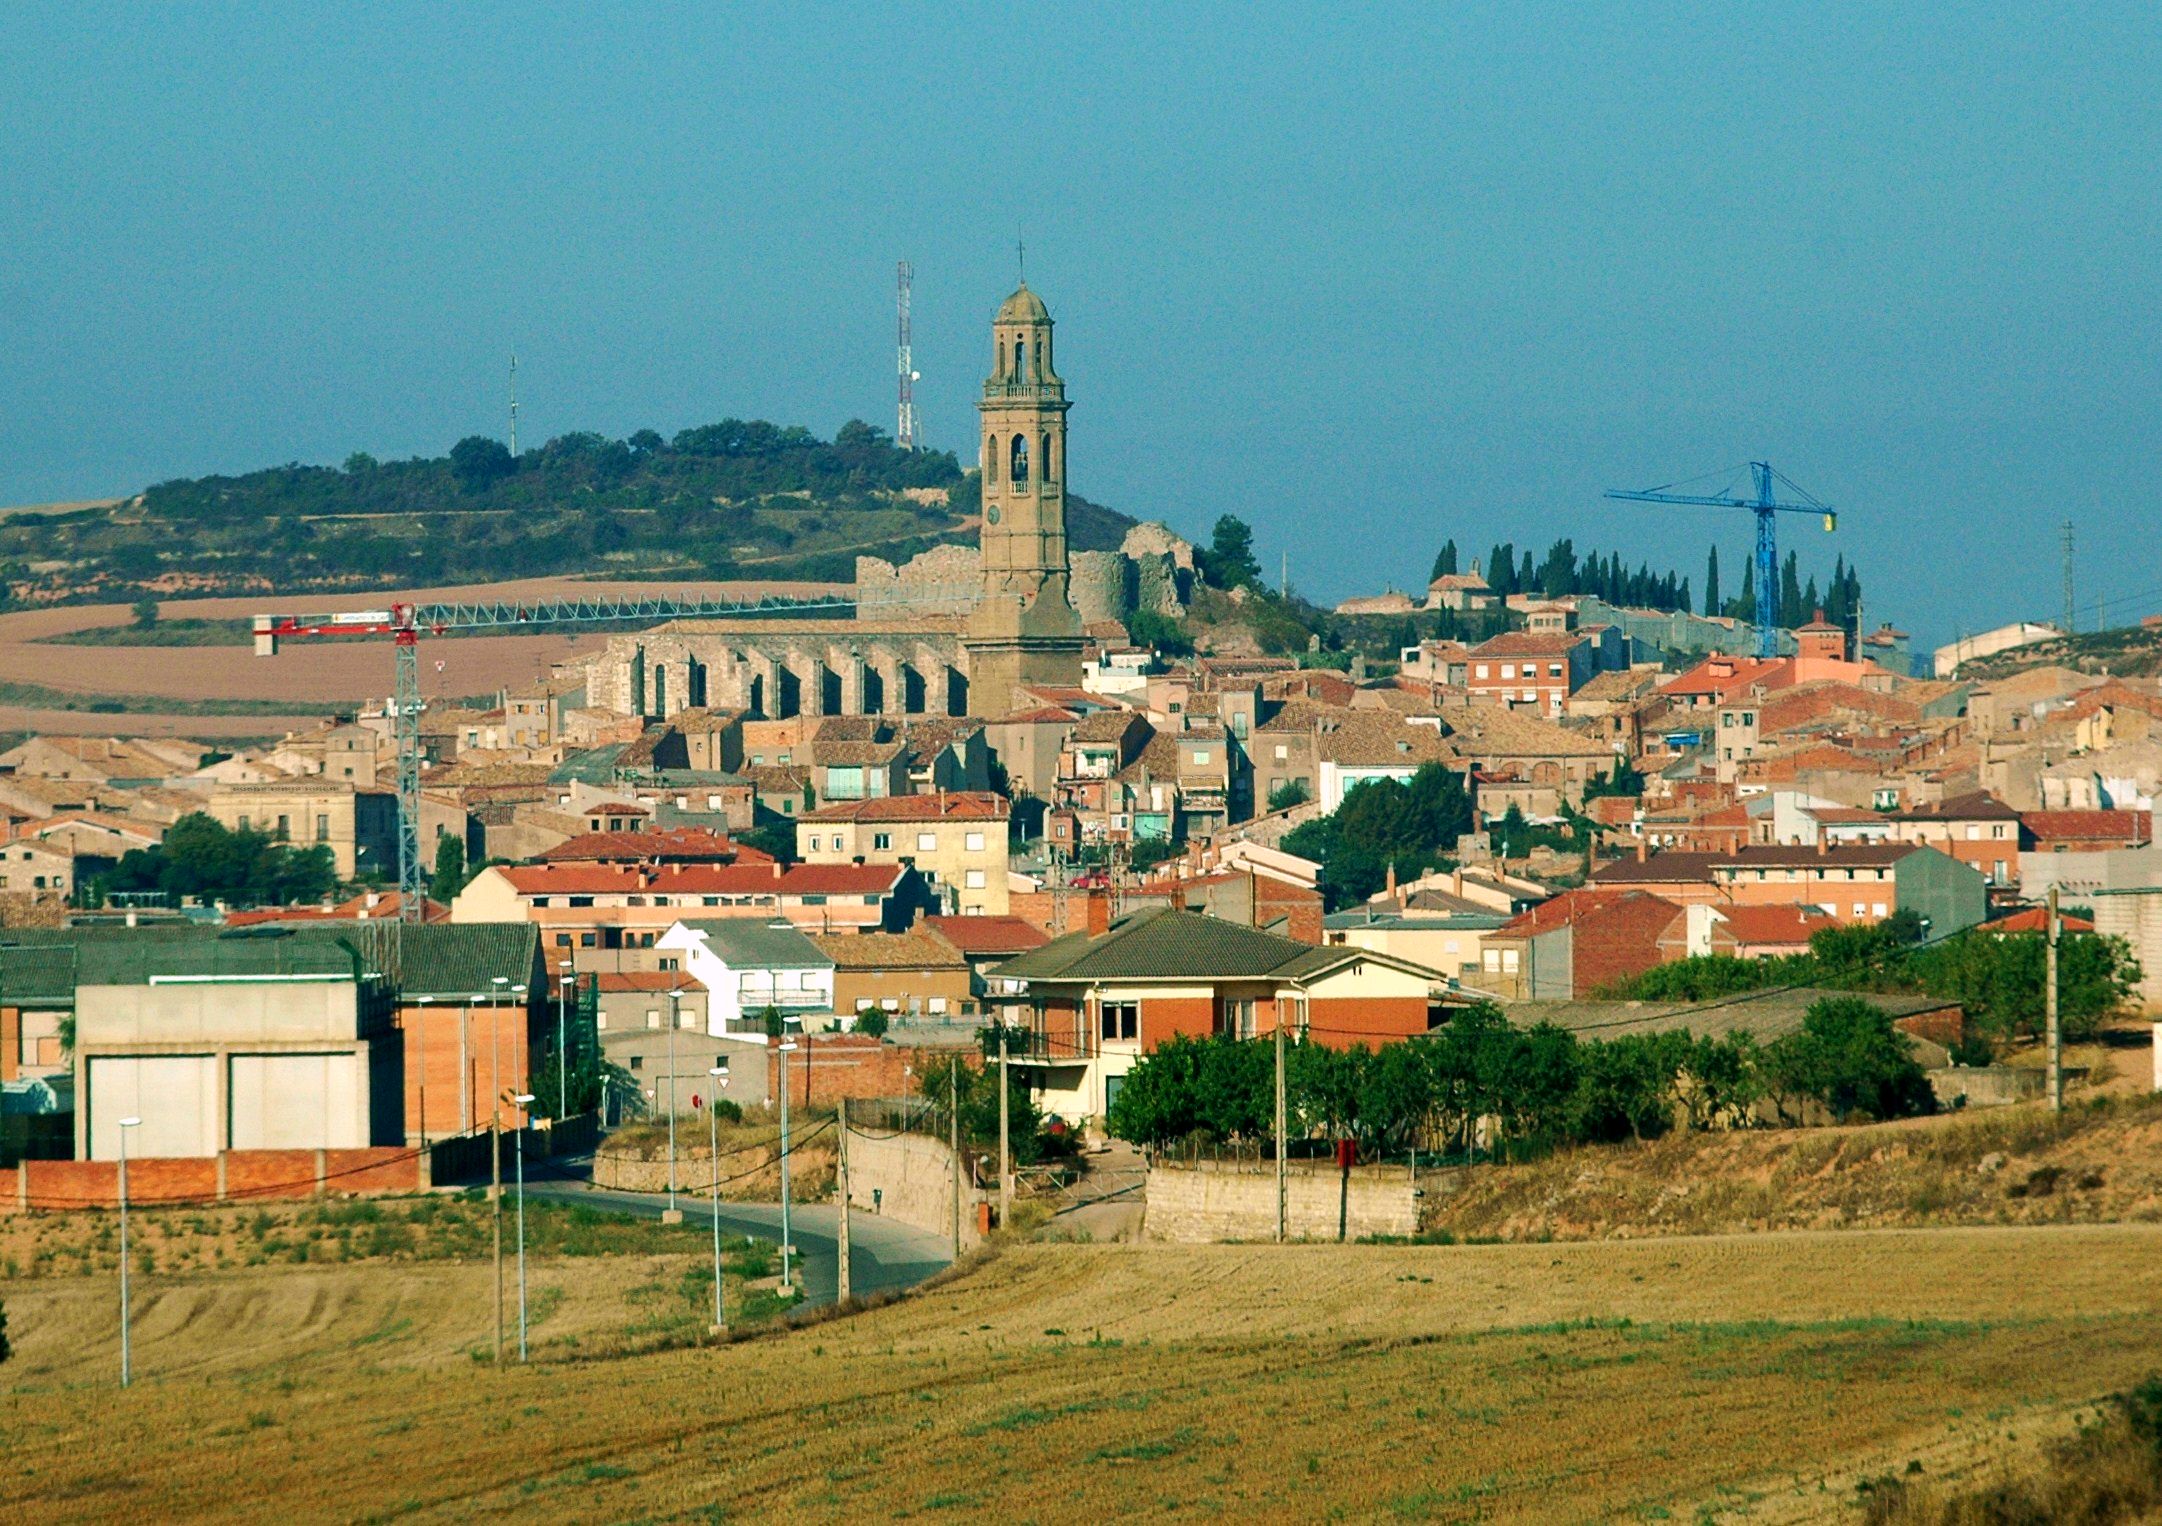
x=1228 y=560
x=479 y=463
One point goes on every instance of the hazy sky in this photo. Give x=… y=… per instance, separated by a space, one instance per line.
x=1368 y=277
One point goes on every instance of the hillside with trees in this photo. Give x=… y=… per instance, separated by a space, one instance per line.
x=738 y=498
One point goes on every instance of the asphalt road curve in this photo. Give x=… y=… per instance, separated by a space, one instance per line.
x=885 y=1256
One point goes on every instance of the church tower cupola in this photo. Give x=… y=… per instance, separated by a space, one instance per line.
x=1025 y=565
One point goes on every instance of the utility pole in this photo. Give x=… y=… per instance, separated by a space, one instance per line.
x=2067 y=542
x=1005 y=1156
x=841 y=1175
x=495 y=1195
x=2056 y=1046
x=953 y=1143
x=1283 y=1183
x=674 y=1215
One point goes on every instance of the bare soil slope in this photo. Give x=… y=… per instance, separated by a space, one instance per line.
x=1062 y=1382
x=2099 y=1162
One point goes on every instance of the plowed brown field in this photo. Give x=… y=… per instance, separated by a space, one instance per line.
x=314 y=674
x=1684 y=1379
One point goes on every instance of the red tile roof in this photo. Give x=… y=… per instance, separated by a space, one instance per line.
x=701 y=879
x=990 y=935
x=2035 y=919
x=1568 y=907
x=639 y=980
x=1758 y=925
x=947 y=805
x=356 y=909
x=670 y=845
x=2089 y=826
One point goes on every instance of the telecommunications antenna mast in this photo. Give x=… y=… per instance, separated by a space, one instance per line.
x=904 y=431
x=514 y=406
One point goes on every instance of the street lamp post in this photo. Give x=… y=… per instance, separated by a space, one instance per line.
x=127 y=1370
x=495 y=1151
x=673 y=1215
x=524 y=1100
x=719 y=1073
x=788 y=1047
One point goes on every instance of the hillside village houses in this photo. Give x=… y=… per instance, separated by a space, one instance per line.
x=1001 y=806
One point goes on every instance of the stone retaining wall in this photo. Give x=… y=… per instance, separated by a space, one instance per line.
x=1228 y=1201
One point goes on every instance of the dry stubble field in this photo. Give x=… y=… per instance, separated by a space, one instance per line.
x=1752 y=1375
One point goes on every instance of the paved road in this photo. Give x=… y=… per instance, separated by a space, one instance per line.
x=886 y=1256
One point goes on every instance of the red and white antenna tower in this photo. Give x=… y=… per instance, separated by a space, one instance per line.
x=904 y=433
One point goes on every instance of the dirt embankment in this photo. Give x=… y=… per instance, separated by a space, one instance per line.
x=2099 y=1162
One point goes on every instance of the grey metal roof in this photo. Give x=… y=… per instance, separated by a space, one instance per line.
x=755 y=944
x=447 y=961
x=1766 y=1015
x=1397 y=921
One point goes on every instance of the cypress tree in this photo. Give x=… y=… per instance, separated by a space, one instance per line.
x=1711 y=583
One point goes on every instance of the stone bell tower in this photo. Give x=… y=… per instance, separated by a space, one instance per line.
x=1024 y=630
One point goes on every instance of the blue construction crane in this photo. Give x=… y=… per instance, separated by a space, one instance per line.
x=1764 y=505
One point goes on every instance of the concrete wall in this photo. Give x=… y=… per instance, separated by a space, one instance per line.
x=1227 y=1201
x=910 y=1178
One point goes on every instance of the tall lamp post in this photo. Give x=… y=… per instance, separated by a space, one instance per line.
x=673 y=1215
x=127 y=1369
x=788 y=1047
x=719 y=1073
x=524 y=1100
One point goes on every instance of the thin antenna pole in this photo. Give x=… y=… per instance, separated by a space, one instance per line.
x=2068 y=577
x=514 y=406
x=1020 y=255
x=904 y=430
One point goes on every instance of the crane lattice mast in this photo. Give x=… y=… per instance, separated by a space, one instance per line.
x=1765 y=504
x=405 y=624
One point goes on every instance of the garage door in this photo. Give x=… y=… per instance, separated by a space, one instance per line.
x=296 y=1102
x=176 y=1096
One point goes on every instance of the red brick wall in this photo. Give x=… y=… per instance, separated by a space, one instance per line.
x=270 y=1174
x=257 y=1175
x=1058 y=912
x=829 y=1066
x=1162 y=1016
x=1946 y=1026
x=486 y=1028
x=1369 y=1020
x=1616 y=942
x=378 y=1169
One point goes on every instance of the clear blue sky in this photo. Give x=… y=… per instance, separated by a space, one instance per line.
x=1368 y=279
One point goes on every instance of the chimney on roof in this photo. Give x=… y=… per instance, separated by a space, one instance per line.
x=1644 y=851
x=1824 y=842
x=776 y=868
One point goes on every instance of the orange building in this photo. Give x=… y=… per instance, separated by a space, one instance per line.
x=1098 y=1004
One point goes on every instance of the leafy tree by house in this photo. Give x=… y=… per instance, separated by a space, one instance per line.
x=1622 y=781
x=1286 y=793
x=978 y=1093
x=1150 y=628
x=1444 y=562
x=871 y=1022
x=1849 y=1057
x=449 y=877
x=200 y=858
x=1382 y=822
